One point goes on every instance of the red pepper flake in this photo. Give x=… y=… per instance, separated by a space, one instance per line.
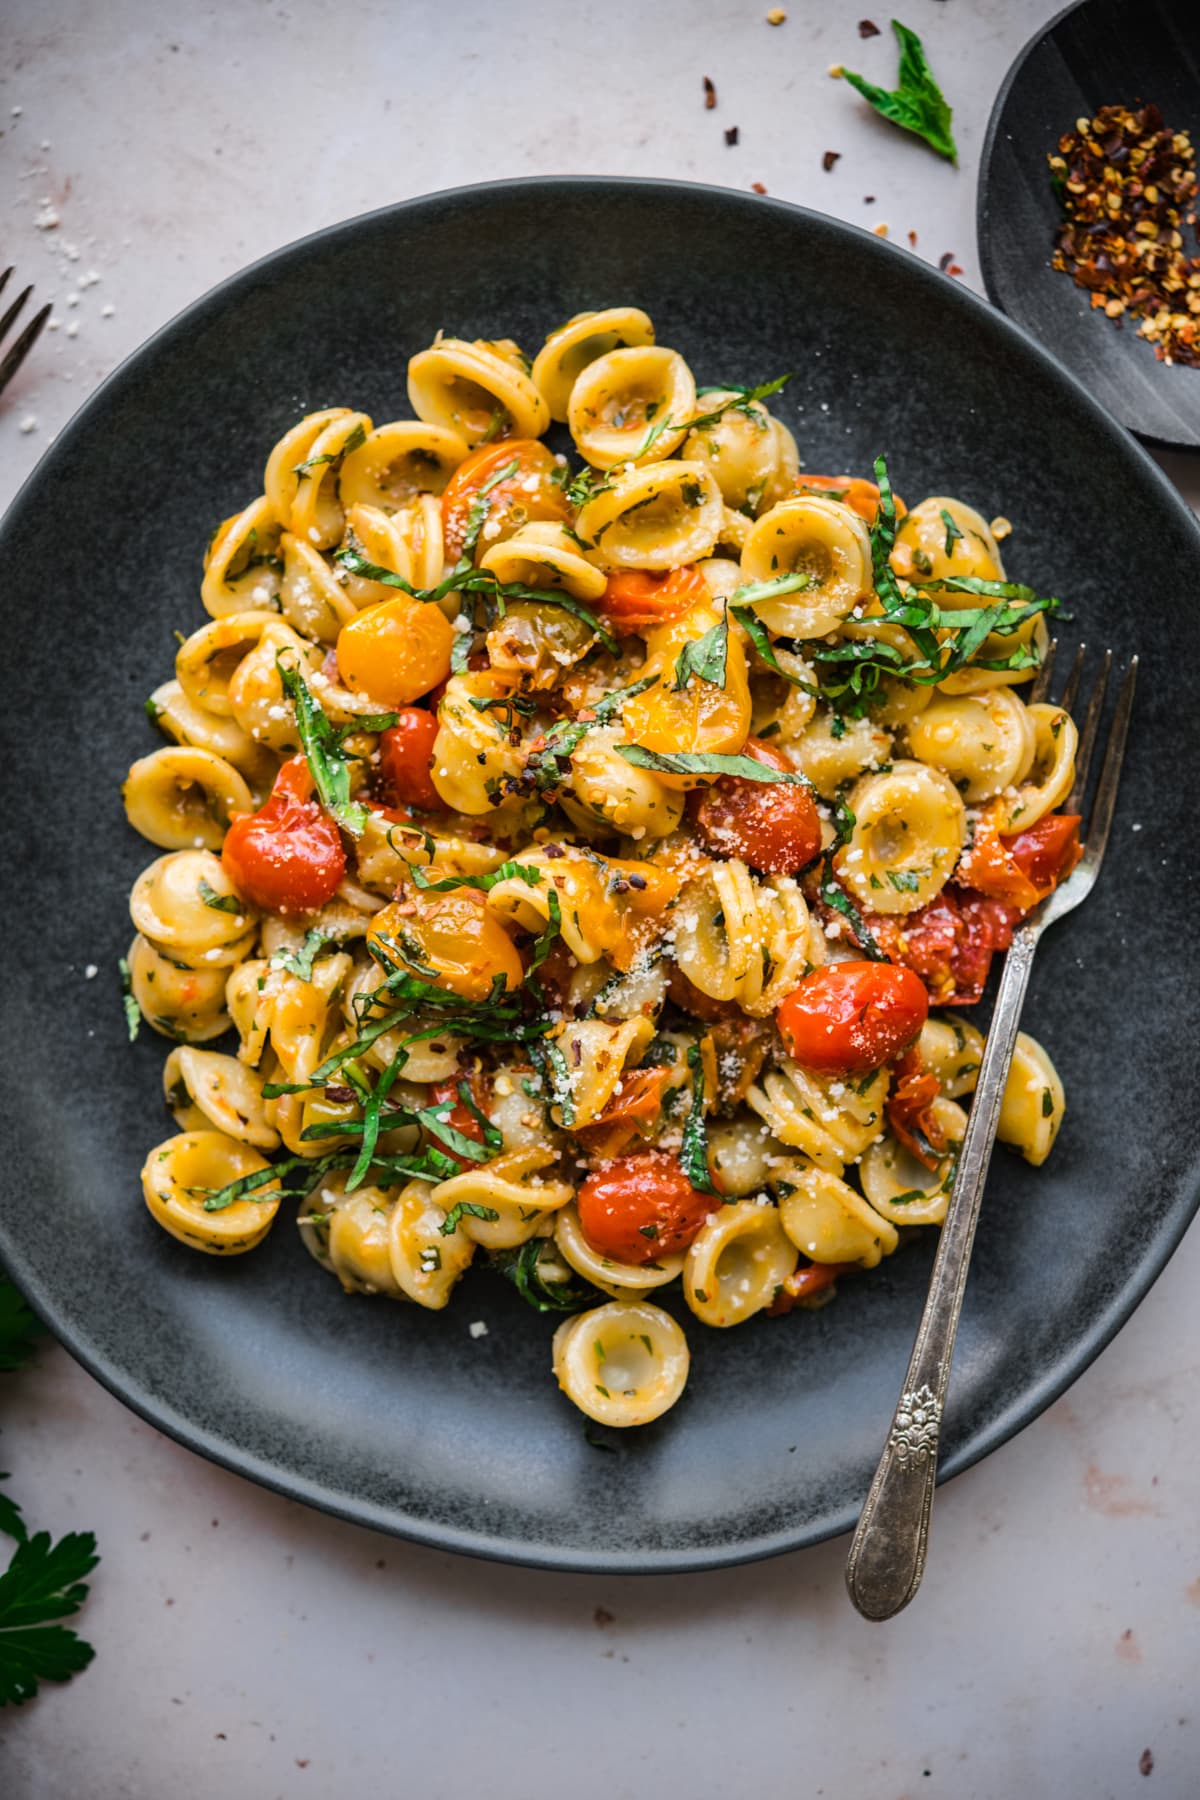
x=868 y=199
x=830 y=157
x=731 y=135
x=710 y=94
x=945 y=259
x=867 y=28
x=912 y=238
x=1127 y=184
x=954 y=269
x=758 y=187
x=1146 y=1762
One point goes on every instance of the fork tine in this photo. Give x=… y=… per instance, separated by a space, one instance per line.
x=1040 y=686
x=10 y=317
x=1110 y=774
x=24 y=344
x=1087 y=737
x=1071 y=692
x=5 y=276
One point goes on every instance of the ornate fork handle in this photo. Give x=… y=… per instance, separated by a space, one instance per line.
x=887 y=1555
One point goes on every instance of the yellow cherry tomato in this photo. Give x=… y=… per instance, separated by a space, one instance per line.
x=396 y=651
x=703 y=716
x=455 y=935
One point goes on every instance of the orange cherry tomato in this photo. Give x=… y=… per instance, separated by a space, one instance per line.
x=532 y=491
x=642 y=1207
x=405 y=758
x=396 y=651
x=288 y=856
x=852 y=1016
x=453 y=938
x=773 y=826
x=638 y=599
x=860 y=496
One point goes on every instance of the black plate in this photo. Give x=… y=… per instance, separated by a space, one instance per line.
x=1099 y=53
x=395 y=1417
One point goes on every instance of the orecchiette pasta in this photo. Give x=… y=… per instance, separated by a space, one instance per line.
x=568 y=854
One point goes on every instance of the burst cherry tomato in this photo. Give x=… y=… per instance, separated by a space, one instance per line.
x=909 y=1109
x=287 y=857
x=806 y=1283
x=1024 y=868
x=773 y=826
x=852 y=1016
x=405 y=758
x=641 y=1208
x=949 y=943
x=460 y=1117
x=531 y=492
x=637 y=599
x=860 y=496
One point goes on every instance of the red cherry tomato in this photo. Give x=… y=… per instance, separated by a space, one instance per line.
x=773 y=826
x=641 y=1208
x=910 y=1111
x=529 y=493
x=852 y=1016
x=1022 y=869
x=460 y=1117
x=405 y=758
x=288 y=856
x=806 y=1283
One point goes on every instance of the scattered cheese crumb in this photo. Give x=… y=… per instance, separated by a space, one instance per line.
x=880 y=230
x=777 y=16
x=17 y=111
x=106 y=312
x=477 y=1328
x=29 y=422
x=73 y=328
x=47 y=219
x=1001 y=527
x=91 y=972
x=89 y=280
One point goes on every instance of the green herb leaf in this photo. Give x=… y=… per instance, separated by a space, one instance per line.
x=706 y=762
x=953 y=534
x=1047 y=1103
x=322 y=751
x=18 y=1327
x=693 y=1151
x=11 y=1522
x=300 y=962
x=917 y=104
x=522 y=1267
x=133 y=1012
x=465 y=1209
x=357 y=437
x=226 y=903
x=742 y=398
x=43 y=1582
x=704 y=658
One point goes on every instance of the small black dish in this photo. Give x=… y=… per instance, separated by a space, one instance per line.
x=1098 y=53
x=399 y=1418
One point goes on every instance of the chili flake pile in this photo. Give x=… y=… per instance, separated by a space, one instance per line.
x=1127 y=185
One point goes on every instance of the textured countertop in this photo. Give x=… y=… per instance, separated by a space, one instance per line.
x=248 y=1648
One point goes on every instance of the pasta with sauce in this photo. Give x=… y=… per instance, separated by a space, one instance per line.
x=570 y=848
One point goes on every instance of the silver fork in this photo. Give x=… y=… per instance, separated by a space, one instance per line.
x=887 y=1554
x=19 y=350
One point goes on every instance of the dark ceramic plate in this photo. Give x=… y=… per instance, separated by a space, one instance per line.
x=397 y=1418
x=1099 y=53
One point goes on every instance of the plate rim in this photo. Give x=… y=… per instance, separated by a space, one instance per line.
x=985 y=249
x=293 y=1485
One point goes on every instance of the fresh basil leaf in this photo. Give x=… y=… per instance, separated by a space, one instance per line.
x=953 y=534
x=133 y=1012
x=467 y=1209
x=226 y=903
x=300 y=962
x=705 y=762
x=917 y=104
x=704 y=657
x=693 y=1150
x=330 y=770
